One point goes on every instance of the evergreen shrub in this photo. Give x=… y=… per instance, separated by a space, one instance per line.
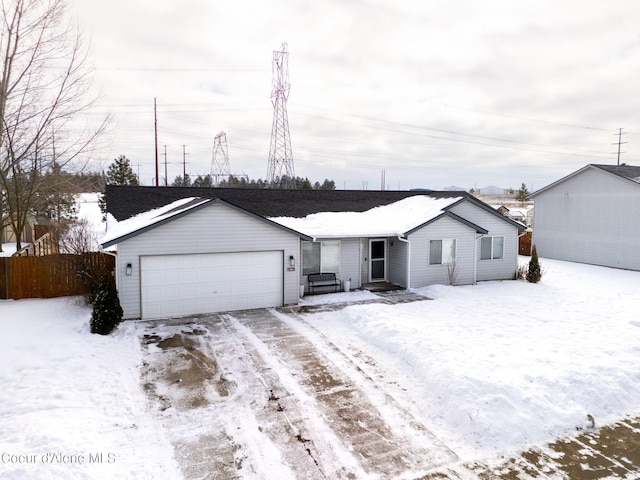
x=107 y=312
x=534 y=273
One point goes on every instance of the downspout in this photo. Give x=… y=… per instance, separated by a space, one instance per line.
x=475 y=259
x=360 y=261
x=405 y=240
x=116 y=269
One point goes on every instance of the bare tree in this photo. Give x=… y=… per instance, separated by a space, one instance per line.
x=79 y=238
x=44 y=89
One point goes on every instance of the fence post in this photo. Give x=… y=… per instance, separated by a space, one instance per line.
x=4 y=277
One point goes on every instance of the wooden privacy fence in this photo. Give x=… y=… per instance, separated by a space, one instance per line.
x=50 y=276
x=524 y=244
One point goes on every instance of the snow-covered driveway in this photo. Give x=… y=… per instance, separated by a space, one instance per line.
x=263 y=394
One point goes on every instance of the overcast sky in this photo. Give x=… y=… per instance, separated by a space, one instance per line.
x=435 y=92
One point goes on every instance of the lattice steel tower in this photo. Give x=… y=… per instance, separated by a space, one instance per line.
x=280 y=154
x=220 y=159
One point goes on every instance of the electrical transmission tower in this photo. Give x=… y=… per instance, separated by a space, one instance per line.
x=280 y=154
x=220 y=159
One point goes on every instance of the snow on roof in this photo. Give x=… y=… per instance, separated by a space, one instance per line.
x=388 y=220
x=117 y=229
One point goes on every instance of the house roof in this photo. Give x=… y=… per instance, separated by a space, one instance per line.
x=126 y=201
x=628 y=172
x=306 y=213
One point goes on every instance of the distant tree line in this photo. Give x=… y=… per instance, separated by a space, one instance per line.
x=232 y=181
x=121 y=173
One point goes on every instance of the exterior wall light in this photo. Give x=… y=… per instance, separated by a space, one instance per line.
x=128 y=270
x=292 y=261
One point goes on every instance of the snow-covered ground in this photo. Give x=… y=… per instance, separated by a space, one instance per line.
x=71 y=405
x=501 y=365
x=489 y=368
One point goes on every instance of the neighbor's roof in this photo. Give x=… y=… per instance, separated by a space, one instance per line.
x=126 y=201
x=628 y=172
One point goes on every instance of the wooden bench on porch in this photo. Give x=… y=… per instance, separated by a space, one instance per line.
x=324 y=280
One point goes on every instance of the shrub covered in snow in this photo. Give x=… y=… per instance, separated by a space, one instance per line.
x=107 y=312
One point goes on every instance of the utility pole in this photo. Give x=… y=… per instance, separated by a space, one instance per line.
x=619 y=142
x=184 y=163
x=165 y=167
x=155 y=128
x=280 y=155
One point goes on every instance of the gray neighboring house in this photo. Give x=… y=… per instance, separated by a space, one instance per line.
x=185 y=250
x=591 y=216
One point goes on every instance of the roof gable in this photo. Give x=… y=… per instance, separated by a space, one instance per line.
x=120 y=231
x=627 y=172
x=489 y=209
x=453 y=216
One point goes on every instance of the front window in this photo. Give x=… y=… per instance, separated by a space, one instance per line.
x=442 y=252
x=491 y=248
x=321 y=257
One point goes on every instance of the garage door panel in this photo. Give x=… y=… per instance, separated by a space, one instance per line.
x=177 y=285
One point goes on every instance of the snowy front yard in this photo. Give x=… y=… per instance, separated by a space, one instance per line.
x=490 y=368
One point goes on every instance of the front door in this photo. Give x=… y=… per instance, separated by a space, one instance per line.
x=378 y=260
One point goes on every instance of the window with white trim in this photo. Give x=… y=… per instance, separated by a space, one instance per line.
x=442 y=252
x=321 y=257
x=491 y=248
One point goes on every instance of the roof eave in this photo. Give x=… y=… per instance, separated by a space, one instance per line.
x=488 y=208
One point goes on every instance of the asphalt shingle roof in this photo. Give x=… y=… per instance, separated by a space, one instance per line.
x=126 y=201
x=629 y=172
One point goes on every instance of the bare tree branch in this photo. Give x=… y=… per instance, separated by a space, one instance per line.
x=44 y=89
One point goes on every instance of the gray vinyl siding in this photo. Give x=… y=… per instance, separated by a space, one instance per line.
x=397 y=262
x=502 y=269
x=349 y=262
x=423 y=274
x=592 y=217
x=213 y=229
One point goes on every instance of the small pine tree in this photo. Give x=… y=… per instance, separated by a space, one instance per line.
x=119 y=173
x=107 y=312
x=522 y=194
x=534 y=274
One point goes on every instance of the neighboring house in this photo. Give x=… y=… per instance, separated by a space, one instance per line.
x=591 y=216
x=8 y=235
x=185 y=250
x=522 y=215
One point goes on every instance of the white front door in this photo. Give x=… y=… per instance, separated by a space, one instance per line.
x=378 y=260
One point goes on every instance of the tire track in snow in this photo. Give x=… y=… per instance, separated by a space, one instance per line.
x=382 y=449
x=225 y=408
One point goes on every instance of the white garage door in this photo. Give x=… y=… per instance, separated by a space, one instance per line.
x=178 y=285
